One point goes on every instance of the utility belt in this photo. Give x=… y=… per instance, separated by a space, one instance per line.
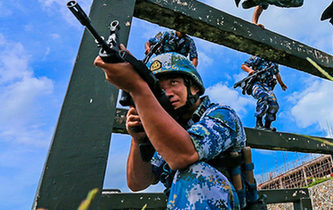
x=238 y=168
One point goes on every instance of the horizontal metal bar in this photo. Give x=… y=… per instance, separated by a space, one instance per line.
x=132 y=201
x=284 y=195
x=111 y=200
x=262 y=139
x=288 y=141
x=205 y=22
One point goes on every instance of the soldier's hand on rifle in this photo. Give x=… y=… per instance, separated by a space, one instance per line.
x=133 y=122
x=147 y=48
x=251 y=71
x=122 y=75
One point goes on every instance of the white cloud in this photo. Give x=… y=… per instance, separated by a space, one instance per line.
x=14 y=61
x=221 y=93
x=205 y=60
x=21 y=96
x=313 y=106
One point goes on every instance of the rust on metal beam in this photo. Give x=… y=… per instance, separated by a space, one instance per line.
x=205 y=22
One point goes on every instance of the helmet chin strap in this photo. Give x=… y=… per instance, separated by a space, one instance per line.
x=191 y=99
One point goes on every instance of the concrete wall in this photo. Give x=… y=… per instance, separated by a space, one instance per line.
x=321 y=197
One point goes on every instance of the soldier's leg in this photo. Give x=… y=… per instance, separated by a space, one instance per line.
x=273 y=108
x=261 y=95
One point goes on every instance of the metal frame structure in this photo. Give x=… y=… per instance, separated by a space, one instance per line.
x=110 y=200
x=78 y=154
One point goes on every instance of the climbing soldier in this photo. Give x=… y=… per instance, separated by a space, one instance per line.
x=190 y=152
x=174 y=41
x=262 y=89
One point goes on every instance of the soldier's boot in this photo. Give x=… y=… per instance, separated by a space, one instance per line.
x=259 y=124
x=237 y=2
x=268 y=126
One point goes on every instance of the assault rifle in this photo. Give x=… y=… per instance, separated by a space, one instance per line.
x=154 y=49
x=247 y=83
x=110 y=52
x=125 y=98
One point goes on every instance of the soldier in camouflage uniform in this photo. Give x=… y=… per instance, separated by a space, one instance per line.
x=262 y=90
x=205 y=131
x=175 y=41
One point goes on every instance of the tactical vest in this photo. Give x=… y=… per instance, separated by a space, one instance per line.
x=236 y=166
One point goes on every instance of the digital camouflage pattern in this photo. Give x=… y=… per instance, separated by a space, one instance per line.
x=201 y=186
x=266 y=104
x=262 y=90
x=173 y=43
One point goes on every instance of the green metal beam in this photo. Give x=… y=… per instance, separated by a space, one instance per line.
x=78 y=154
x=132 y=201
x=262 y=139
x=113 y=200
x=285 y=195
x=205 y=22
x=304 y=203
x=288 y=141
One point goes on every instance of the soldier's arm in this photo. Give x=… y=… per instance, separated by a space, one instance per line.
x=139 y=173
x=147 y=47
x=279 y=79
x=247 y=69
x=256 y=14
x=195 y=62
x=193 y=53
x=153 y=41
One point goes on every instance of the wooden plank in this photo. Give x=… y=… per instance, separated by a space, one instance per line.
x=78 y=155
x=205 y=22
x=263 y=139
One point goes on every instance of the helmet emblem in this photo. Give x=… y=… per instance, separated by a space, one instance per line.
x=155 y=65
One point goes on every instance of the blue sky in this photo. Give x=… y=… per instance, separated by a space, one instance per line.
x=39 y=41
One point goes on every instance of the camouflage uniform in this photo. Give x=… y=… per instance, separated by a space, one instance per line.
x=279 y=3
x=173 y=43
x=263 y=90
x=213 y=129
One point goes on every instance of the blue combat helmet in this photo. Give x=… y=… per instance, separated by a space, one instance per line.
x=174 y=63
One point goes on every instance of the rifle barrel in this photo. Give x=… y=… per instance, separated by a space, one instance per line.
x=75 y=8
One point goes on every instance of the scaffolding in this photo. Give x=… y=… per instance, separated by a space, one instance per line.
x=302 y=175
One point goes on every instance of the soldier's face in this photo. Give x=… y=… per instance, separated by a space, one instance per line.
x=176 y=90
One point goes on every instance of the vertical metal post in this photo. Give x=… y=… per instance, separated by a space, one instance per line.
x=303 y=204
x=305 y=177
x=78 y=154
